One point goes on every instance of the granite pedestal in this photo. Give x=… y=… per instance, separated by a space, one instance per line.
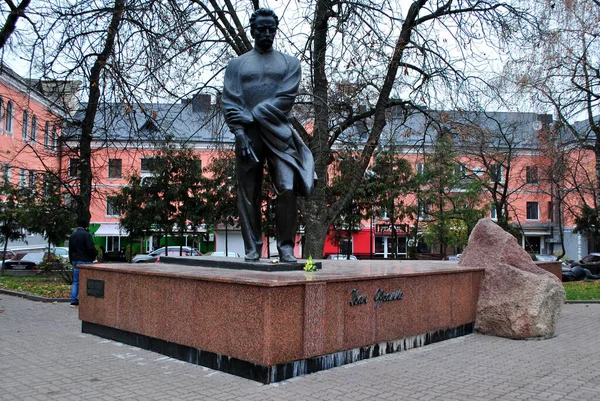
x=271 y=326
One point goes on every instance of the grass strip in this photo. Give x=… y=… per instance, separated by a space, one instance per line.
x=582 y=290
x=49 y=287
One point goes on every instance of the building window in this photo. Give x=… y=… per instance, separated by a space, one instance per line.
x=111 y=210
x=148 y=164
x=420 y=168
x=493 y=214
x=533 y=212
x=551 y=211
x=25 y=124
x=113 y=244
x=23 y=178
x=54 y=137
x=34 y=127
x=114 y=168
x=496 y=173
x=46 y=181
x=31 y=182
x=424 y=212
x=460 y=169
x=531 y=174
x=1 y=112
x=47 y=135
x=6 y=173
x=9 y=116
x=73 y=167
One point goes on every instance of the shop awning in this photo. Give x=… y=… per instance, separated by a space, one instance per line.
x=535 y=229
x=534 y=233
x=110 y=230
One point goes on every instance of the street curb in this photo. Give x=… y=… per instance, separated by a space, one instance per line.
x=33 y=297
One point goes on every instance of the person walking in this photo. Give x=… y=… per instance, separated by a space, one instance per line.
x=82 y=250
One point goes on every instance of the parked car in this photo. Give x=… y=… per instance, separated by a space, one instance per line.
x=25 y=261
x=339 y=256
x=221 y=254
x=173 y=251
x=61 y=253
x=455 y=258
x=9 y=255
x=590 y=262
x=545 y=258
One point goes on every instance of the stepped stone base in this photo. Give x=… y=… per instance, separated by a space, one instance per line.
x=273 y=326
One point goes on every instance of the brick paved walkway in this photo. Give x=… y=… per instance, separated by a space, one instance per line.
x=44 y=356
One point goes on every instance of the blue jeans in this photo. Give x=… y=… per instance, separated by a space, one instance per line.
x=75 y=285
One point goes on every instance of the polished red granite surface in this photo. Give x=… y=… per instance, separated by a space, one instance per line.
x=269 y=318
x=333 y=270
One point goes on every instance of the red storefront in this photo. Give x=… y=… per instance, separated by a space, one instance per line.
x=376 y=243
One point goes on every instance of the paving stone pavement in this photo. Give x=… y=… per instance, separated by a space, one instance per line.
x=44 y=356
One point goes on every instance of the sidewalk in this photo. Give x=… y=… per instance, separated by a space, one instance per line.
x=44 y=356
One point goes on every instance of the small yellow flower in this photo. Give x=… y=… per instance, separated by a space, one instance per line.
x=309 y=266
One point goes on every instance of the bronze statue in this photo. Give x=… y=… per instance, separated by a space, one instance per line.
x=259 y=92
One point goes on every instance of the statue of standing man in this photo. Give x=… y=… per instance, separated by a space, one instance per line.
x=259 y=92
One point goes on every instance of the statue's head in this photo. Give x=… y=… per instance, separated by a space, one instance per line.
x=263 y=27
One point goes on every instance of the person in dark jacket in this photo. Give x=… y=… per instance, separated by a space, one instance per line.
x=82 y=250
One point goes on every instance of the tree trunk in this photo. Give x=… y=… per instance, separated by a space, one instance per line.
x=314 y=208
x=314 y=239
x=318 y=215
x=4 y=254
x=596 y=234
x=87 y=125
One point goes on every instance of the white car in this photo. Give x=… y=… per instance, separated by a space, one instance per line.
x=340 y=256
x=173 y=251
x=61 y=253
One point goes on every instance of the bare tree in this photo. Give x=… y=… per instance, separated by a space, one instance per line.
x=387 y=60
x=127 y=54
x=13 y=14
x=495 y=143
x=560 y=67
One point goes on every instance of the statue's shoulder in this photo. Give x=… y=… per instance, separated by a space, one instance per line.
x=235 y=61
x=289 y=59
x=239 y=60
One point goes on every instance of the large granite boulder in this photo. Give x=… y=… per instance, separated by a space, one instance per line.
x=517 y=299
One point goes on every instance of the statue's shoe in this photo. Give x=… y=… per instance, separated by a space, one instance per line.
x=252 y=257
x=287 y=258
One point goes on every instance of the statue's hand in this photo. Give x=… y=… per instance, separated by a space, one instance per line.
x=239 y=117
x=242 y=143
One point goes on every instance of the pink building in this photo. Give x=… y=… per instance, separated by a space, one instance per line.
x=510 y=154
x=513 y=146
x=30 y=128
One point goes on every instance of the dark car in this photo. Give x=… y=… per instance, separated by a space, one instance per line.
x=173 y=251
x=590 y=262
x=9 y=255
x=25 y=261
